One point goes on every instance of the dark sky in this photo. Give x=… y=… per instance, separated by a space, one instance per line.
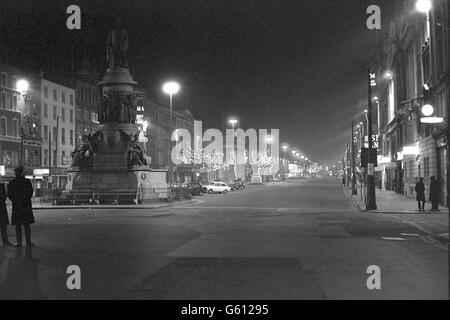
x=299 y=66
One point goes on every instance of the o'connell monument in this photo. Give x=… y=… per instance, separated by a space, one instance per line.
x=111 y=159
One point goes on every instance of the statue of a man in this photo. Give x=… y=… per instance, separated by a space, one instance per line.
x=117 y=47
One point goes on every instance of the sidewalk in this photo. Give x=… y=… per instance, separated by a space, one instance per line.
x=391 y=202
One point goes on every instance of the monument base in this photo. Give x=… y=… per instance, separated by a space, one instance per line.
x=256 y=179
x=139 y=184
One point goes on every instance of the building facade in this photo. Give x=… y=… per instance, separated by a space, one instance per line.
x=413 y=71
x=20 y=140
x=58 y=130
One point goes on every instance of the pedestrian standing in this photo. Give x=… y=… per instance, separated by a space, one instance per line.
x=20 y=191
x=434 y=194
x=420 y=190
x=4 y=219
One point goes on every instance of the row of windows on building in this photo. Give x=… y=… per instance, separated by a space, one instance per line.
x=424 y=169
x=8 y=100
x=55 y=137
x=54 y=158
x=55 y=113
x=14 y=132
x=87 y=95
x=55 y=96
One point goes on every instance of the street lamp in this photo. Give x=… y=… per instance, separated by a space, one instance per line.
x=428 y=111
x=424 y=6
x=284 y=147
x=388 y=75
x=233 y=122
x=171 y=88
x=22 y=86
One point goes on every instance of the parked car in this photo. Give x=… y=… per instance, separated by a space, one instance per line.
x=196 y=189
x=218 y=187
x=180 y=191
x=237 y=185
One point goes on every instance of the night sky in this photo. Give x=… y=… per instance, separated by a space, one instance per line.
x=299 y=66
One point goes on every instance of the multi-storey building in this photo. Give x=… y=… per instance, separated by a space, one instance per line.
x=58 y=129
x=414 y=71
x=19 y=120
x=86 y=100
x=159 y=145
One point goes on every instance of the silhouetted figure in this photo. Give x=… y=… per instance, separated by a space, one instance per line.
x=20 y=191
x=4 y=220
x=420 y=190
x=434 y=194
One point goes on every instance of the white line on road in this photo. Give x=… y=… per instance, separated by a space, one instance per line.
x=393 y=239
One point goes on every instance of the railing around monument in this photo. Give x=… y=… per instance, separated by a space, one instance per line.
x=113 y=197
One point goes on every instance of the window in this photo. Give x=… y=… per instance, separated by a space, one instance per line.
x=8 y=101
x=71 y=137
x=55 y=113
x=71 y=116
x=3 y=80
x=54 y=158
x=14 y=82
x=55 y=95
x=45 y=92
x=45 y=157
x=15 y=128
x=3 y=101
x=14 y=102
x=54 y=134
x=63 y=97
x=63 y=155
x=45 y=133
x=63 y=114
x=71 y=99
x=45 y=110
x=63 y=136
x=3 y=126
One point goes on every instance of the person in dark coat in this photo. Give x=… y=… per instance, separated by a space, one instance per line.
x=4 y=220
x=20 y=191
x=420 y=190
x=434 y=194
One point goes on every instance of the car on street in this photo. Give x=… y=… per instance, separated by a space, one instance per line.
x=196 y=189
x=217 y=187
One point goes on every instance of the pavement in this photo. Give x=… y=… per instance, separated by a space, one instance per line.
x=291 y=241
x=392 y=202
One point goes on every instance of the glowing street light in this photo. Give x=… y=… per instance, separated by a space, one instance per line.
x=233 y=122
x=22 y=86
x=171 y=88
x=428 y=111
x=388 y=75
x=424 y=6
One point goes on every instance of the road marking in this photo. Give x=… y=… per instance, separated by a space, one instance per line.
x=410 y=234
x=282 y=210
x=393 y=239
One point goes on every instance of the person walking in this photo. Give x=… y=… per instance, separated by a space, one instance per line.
x=20 y=191
x=420 y=190
x=434 y=194
x=4 y=220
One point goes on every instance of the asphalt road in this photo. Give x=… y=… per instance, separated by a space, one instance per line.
x=299 y=240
